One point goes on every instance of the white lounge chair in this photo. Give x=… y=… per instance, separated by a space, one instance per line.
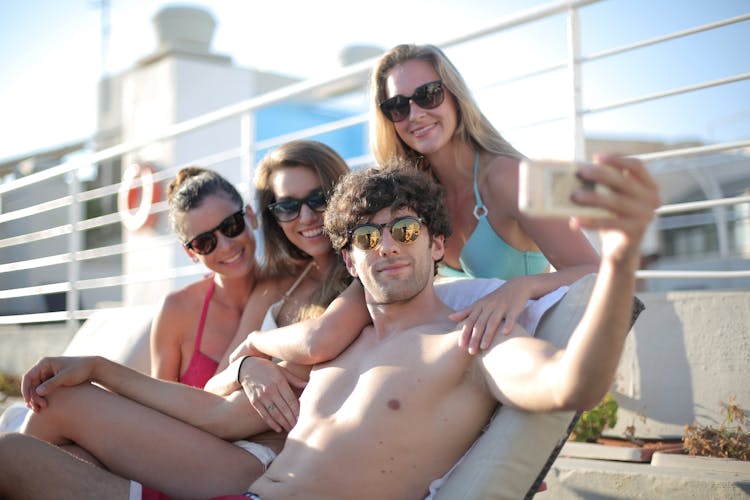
x=512 y=457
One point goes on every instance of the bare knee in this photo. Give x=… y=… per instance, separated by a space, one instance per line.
x=65 y=409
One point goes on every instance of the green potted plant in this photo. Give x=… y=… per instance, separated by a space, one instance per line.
x=586 y=440
x=592 y=423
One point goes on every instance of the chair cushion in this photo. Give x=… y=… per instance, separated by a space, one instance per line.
x=120 y=334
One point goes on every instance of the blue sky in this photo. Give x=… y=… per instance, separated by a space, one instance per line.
x=50 y=55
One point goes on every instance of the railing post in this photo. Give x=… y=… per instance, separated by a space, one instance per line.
x=247 y=153
x=574 y=66
x=743 y=232
x=74 y=246
x=712 y=189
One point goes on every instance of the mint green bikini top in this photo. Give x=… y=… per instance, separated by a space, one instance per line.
x=487 y=255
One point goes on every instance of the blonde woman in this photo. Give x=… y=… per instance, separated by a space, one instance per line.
x=424 y=112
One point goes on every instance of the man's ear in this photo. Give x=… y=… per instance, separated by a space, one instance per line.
x=438 y=247
x=346 y=256
x=251 y=217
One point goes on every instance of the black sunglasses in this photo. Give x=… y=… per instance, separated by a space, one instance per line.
x=231 y=227
x=427 y=96
x=368 y=236
x=288 y=209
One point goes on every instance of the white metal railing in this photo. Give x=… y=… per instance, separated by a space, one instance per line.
x=73 y=229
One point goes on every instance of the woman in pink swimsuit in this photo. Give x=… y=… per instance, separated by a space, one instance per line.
x=195 y=324
x=204 y=213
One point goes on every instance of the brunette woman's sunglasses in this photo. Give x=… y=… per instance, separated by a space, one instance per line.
x=231 y=227
x=368 y=236
x=427 y=96
x=288 y=209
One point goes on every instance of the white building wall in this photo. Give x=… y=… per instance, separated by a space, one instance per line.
x=169 y=90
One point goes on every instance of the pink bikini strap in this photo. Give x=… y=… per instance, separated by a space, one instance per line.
x=204 y=313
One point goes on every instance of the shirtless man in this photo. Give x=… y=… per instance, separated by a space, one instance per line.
x=403 y=402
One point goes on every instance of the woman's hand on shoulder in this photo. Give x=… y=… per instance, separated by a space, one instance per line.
x=496 y=311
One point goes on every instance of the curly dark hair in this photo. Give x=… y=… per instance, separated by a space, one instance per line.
x=395 y=185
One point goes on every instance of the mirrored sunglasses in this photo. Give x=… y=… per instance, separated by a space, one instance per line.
x=231 y=227
x=427 y=96
x=288 y=209
x=368 y=236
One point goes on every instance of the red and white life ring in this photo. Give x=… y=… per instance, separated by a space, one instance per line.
x=136 y=196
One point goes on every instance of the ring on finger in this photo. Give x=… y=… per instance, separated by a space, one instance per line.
x=271 y=407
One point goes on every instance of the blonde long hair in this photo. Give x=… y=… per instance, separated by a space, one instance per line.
x=473 y=127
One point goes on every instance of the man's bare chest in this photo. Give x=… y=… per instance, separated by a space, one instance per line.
x=391 y=375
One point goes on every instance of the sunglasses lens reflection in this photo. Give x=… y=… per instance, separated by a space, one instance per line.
x=427 y=96
x=368 y=236
x=397 y=110
x=286 y=210
x=317 y=202
x=405 y=230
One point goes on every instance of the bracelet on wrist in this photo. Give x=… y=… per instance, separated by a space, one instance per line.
x=239 y=369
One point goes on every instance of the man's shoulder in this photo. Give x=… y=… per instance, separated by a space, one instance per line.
x=437 y=326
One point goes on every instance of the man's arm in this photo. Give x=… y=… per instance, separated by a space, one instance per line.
x=226 y=417
x=534 y=375
x=315 y=340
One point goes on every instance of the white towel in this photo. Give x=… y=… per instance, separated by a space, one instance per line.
x=13 y=417
x=458 y=293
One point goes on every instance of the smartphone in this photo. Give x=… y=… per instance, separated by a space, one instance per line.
x=545 y=188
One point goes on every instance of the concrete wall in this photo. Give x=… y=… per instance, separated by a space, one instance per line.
x=574 y=479
x=688 y=352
